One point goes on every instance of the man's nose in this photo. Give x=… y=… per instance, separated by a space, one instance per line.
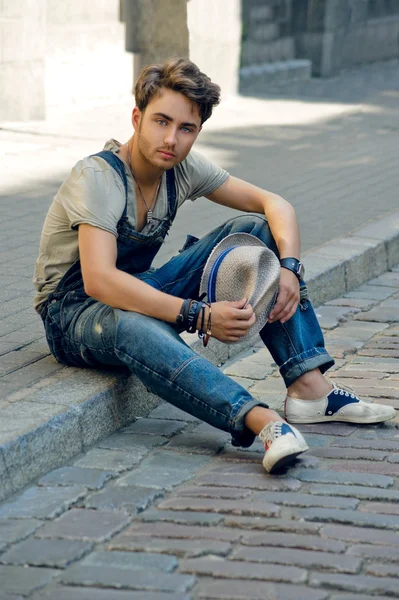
x=170 y=137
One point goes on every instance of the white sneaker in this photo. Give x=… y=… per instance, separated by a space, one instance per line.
x=341 y=404
x=282 y=443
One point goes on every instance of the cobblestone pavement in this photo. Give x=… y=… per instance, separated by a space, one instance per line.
x=331 y=150
x=167 y=509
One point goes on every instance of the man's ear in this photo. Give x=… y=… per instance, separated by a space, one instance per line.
x=136 y=118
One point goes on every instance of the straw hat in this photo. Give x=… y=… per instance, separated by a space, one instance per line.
x=242 y=266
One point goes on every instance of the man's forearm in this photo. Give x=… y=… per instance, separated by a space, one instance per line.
x=121 y=290
x=283 y=224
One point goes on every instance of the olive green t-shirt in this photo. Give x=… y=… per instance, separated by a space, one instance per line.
x=94 y=193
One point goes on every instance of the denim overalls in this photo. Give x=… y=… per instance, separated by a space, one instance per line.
x=83 y=332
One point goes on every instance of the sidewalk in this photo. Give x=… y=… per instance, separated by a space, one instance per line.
x=167 y=509
x=331 y=150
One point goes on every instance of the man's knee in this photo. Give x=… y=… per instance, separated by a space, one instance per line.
x=254 y=224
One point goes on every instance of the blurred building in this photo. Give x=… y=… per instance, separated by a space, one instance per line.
x=60 y=54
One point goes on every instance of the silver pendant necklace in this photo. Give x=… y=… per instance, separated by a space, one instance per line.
x=150 y=210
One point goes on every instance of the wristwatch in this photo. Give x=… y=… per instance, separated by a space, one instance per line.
x=294 y=265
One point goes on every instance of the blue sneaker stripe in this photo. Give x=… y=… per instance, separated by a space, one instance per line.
x=285 y=428
x=338 y=401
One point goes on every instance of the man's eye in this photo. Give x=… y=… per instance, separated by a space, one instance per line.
x=186 y=129
x=161 y=121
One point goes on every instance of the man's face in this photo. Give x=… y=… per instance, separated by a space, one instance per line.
x=167 y=128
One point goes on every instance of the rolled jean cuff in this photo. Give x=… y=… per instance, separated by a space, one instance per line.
x=241 y=435
x=316 y=358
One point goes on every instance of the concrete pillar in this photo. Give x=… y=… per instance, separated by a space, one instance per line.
x=215 y=40
x=22 y=59
x=157 y=29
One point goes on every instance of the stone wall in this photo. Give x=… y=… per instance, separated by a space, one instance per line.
x=22 y=59
x=86 y=61
x=335 y=34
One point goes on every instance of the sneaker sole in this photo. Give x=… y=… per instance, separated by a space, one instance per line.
x=363 y=421
x=285 y=460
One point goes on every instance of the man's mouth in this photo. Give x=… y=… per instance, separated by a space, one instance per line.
x=166 y=153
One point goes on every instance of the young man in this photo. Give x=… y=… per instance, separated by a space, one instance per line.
x=103 y=305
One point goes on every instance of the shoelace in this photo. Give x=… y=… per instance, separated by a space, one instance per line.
x=345 y=390
x=271 y=433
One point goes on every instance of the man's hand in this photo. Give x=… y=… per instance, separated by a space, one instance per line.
x=287 y=299
x=230 y=320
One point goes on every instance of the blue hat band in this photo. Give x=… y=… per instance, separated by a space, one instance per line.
x=213 y=275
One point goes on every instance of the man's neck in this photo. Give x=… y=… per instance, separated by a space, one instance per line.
x=144 y=172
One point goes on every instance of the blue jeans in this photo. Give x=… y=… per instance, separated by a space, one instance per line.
x=84 y=332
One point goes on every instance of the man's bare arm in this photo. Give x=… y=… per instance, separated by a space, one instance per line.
x=104 y=282
x=241 y=195
x=283 y=224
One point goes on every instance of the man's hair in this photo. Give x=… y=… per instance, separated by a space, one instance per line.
x=180 y=75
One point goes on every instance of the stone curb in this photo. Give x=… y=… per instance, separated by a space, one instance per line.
x=77 y=407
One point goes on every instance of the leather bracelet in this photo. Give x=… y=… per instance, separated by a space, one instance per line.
x=182 y=317
x=193 y=314
x=208 y=334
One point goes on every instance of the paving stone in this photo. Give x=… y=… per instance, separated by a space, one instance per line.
x=264 y=524
x=350 y=517
x=170 y=412
x=242 y=570
x=24 y=581
x=349 y=372
x=163 y=470
x=387 y=553
x=43 y=503
x=130 y=499
x=330 y=316
x=373 y=444
x=363 y=466
x=380 y=507
x=127 y=441
x=154 y=426
x=189 y=548
x=171 y=530
x=244 y=382
x=133 y=579
x=15 y=530
x=353 y=302
x=292 y=540
x=386 y=279
x=130 y=560
x=45 y=553
x=248 y=481
x=85 y=525
x=390 y=365
x=337 y=563
x=79 y=593
x=360 y=492
x=221 y=506
x=234 y=589
x=182 y=517
x=247 y=368
x=229 y=493
x=112 y=460
x=93 y=479
x=349 y=453
x=297 y=499
x=360 y=534
x=379 y=353
x=348 y=478
x=371 y=292
x=356 y=583
x=382 y=570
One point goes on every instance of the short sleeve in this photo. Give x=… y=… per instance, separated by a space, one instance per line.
x=93 y=194
x=202 y=175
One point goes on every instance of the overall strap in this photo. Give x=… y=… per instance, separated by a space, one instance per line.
x=171 y=189
x=118 y=166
